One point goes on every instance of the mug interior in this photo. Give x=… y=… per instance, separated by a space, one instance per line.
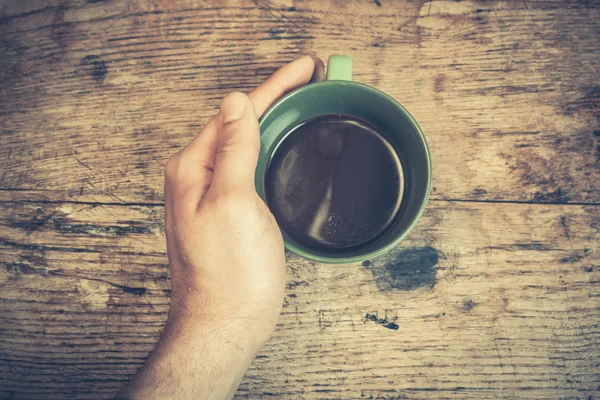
x=380 y=110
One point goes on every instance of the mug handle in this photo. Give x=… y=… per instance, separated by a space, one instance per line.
x=339 y=68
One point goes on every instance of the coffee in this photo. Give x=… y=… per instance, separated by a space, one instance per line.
x=334 y=183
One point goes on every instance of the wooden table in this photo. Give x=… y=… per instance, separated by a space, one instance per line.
x=494 y=295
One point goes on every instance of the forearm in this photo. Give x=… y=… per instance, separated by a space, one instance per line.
x=194 y=361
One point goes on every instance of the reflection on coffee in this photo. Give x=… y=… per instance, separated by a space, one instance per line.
x=334 y=183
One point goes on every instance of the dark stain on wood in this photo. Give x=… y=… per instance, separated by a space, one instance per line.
x=18 y=269
x=565 y=226
x=377 y=2
x=43 y=220
x=36 y=222
x=278 y=13
x=468 y=305
x=439 y=84
x=143 y=132
x=276 y=31
x=534 y=245
x=588 y=101
x=138 y=291
x=479 y=192
x=411 y=269
x=570 y=259
x=25 y=246
x=382 y=321
x=481 y=16
x=532 y=170
x=556 y=196
x=127 y=228
x=392 y=325
x=99 y=68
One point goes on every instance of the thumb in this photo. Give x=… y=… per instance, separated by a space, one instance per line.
x=238 y=144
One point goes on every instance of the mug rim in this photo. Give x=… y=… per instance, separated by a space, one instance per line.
x=373 y=253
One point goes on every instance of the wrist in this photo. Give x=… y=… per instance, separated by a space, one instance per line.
x=194 y=359
x=225 y=331
x=194 y=309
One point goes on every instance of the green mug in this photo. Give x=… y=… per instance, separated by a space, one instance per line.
x=339 y=95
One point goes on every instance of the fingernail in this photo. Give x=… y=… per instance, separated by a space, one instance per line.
x=233 y=107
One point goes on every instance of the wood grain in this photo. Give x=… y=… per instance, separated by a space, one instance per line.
x=483 y=300
x=494 y=295
x=96 y=95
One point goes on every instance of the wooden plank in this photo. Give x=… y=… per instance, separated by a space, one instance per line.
x=95 y=96
x=483 y=300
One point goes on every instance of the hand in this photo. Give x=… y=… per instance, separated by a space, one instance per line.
x=225 y=252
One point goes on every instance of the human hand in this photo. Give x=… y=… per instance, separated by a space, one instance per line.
x=225 y=249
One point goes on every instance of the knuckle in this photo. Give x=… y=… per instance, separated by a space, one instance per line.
x=172 y=167
x=235 y=93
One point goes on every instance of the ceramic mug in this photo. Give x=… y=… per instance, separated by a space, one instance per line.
x=340 y=95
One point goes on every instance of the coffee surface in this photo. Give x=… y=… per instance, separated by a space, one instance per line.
x=334 y=183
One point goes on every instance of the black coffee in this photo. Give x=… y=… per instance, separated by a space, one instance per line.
x=334 y=183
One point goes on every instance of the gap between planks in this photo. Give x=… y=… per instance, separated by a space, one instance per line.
x=154 y=204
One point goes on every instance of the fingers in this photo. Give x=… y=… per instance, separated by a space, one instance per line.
x=285 y=79
x=189 y=172
x=238 y=145
x=319 y=71
x=228 y=145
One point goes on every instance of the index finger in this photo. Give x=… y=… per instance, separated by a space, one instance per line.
x=287 y=78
